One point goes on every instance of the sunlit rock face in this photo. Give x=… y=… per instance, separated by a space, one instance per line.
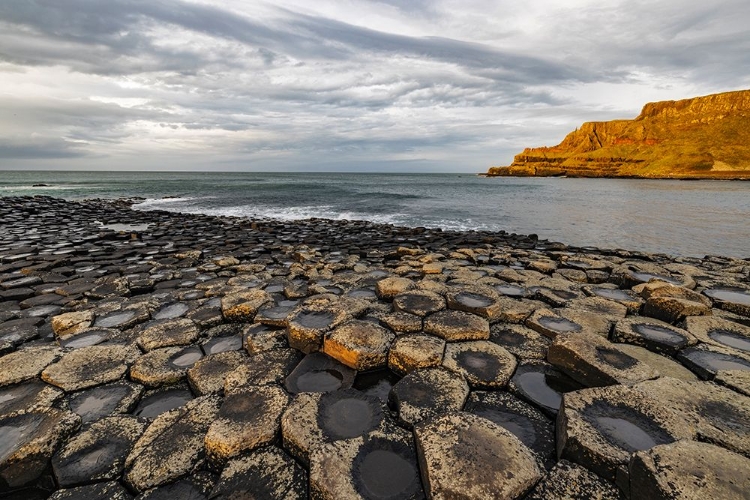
x=700 y=138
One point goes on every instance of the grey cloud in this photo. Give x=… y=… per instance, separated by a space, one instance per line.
x=39 y=148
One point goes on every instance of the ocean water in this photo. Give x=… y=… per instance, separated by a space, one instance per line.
x=688 y=218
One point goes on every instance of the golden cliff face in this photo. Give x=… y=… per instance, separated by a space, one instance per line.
x=700 y=138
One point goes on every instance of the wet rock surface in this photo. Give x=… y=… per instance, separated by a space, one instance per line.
x=179 y=359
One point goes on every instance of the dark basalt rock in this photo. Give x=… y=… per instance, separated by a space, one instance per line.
x=567 y=480
x=464 y=455
x=207 y=375
x=314 y=418
x=99 y=402
x=528 y=424
x=154 y=403
x=164 y=366
x=427 y=392
x=270 y=367
x=196 y=487
x=542 y=385
x=551 y=324
x=483 y=364
x=99 y=491
x=265 y=473
x=26 y=397
x=520 y=341
x=706 y=362
x=652 y=334
x=410 y=352
x=420 y=302
x=26 y=364
x=90 y=366
x=456 y=326
x=319 y=373
x=98 y=453
x=736 y=300
x=27 y=442
x=374 y=466
x=600 y=428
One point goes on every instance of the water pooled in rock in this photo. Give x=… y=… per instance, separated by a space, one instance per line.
x=520 y=426
x=659 y=334
x=84 y=340
x=362 y=293
x=561 y=325
x=376 y=383
x=348 y=414
x=320 y=381
x=314 y=319
x=222 y=344
x=716 y=361
x=511 y=290
x=161 y=402
x=115 y=319
x=14 y=434
x=385 y=474
x=473 y=300
x=534 y=385
x=736 y=296
x=615 y=358
x=645 y=277
x=730 y=339
x=186 y=357
x=98 y=402
x=172 y=311
x=625 y=434
x=612 y=294
x=626 y=427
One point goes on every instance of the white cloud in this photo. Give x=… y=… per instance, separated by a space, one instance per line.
x=448 y=84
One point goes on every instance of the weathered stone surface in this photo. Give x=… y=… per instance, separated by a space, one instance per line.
x=419 y=302
x=409 y=352
x=99 y=491
x=551 y=324
x=374 y=466
x=360 y=345
x=719 y=415
x=164 y=366
x=427 y=392
x=197 y=486
x=319 y=373
x=314 y=418
x=98 y=453
x=542 y=385
x=737 y=380
x=72 y=322
x=627 y=298
x=168 y=333
x=388 y=288
x=689 y=470
x=520 y=341
x=666 y=366
x=258 y=338
x=172 y=445
x=26 y=364
x=706 y=360
x=567 y=480
x=484 y=365
x=306 y=327
x=595 y=362
x=90 y=366
x=719 y=332
x=600 y=428
x=28 y=440
x=401 y=322
x=736 y=300
x=652 y=334
x=98 y=402
x=265 y=473
x=207 y=375
x=243 y=306
x=248 y=418
x=161 y=400
x=454 y=326
x=528 y=424
x=463 y=455
x=270 y=367
x=29 y=396
x=672 y=309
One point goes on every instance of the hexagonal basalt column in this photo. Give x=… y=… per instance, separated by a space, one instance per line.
x=374 y=466
x=467 y=456
x=316 y=418
x=270 y=367
x=427 y=392
x=600 y=428
x=306 y=327
x=455 y=326
x=567 y=480
x=543 y=385
x=409 y=352
x=243 y=306
x=594 y=362
x=26 y=364
x=652 y=334
x=248 y=418
x=419 y=302
x=168 y=333
x=90 y=366
x=484 y=365
x=164 y=366
x=360 y=345
x=207 y=375
x=319 y=373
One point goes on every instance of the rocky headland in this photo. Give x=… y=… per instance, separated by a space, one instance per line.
x=700 y=138
x=155 y=355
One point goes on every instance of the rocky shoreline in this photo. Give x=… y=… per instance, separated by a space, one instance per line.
x=150 y=355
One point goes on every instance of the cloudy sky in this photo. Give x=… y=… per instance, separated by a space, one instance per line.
x=389 y=85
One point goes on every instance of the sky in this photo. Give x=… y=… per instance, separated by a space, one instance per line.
x=342 y=85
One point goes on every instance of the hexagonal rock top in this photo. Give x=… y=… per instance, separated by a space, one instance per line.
x=360 y=345
x=72 y=322
x=457 y=325
x=243 y=306
x=248 y=418
x=374 y=466
x=567 y=480
x=652 y=334
x=207 y=375
x=690 y=470
x=168 y=333
x=164 y=366
x=90 y=366
x=26 y=364
x=466 y=456
x=600 y=428
x=409 y=352
x=427 y=392
x=594 y=361
x=316 y=418
x=483 y=364
x=419 y=302
x=28 y=440
x=265 y=473
x=388 y=288
x=172 y=445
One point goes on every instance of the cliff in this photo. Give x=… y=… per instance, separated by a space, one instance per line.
x=700 y=138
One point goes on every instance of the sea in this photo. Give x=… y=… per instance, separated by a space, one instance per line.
x=681 y=218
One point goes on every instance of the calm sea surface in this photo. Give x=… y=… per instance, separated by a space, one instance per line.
x=690 y=218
